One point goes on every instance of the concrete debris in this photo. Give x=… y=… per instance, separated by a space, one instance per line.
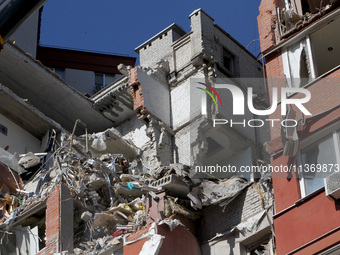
x=217 y=192
x=109 y=194
x=86 y=216
x=10 y=160
x=110 y=141
x=29 y=160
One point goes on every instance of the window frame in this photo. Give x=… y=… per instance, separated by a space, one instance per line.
x=310 y=55
x=333 y=129
x=331 y=250
x=232 y=57
x=103 y=85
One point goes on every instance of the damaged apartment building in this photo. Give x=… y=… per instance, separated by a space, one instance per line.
x=299 y=42
x=115 y=173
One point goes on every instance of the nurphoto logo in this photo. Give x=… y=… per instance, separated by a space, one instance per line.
x=238 y=104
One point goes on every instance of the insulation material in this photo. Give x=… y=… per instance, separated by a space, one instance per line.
x=27 y=240
x=172 y=223
x=152 y=246
x=8 y=204
x=210 y=192
x=9 y=181
x=99 y=143
x=251 y=224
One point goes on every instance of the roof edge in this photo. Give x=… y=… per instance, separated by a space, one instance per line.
x=172 y=26
x=200 y=10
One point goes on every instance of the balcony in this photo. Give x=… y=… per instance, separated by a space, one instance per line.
x=300 y=13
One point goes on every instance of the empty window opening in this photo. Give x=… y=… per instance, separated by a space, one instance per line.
x=229 y=61
x=101 y=80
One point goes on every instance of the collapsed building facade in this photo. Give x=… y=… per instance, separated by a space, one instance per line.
x=128 y=185
x=299 y=41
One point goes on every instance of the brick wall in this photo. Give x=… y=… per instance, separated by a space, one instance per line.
x=324 y=96
x=59 y=221
x=268 y=23
x=52 y=223
x=137 y=96
x=214 y=221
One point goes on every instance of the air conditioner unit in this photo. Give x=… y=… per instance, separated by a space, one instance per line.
x=332 y=186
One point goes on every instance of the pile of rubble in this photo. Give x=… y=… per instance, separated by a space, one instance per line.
x=109 y=194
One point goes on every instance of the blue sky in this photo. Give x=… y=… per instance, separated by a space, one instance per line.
x=120 y=26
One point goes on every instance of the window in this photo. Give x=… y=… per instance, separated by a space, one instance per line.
x=301 y=7
x=60 y=71
x=22 y=240
x=298 y=66
x=229 y=61
x=321 y=154
x=3 y=129
x=101 y=80
x=263 y=246
x=312 y=56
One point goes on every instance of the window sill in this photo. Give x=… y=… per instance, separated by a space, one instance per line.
x=310 y=196
x=300 y=202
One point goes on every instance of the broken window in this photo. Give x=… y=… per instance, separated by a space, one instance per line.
x=21 y=240
x=261 y=247
x=298 y=67
x=313 y=56
x=101 y=80
x=300 y=12
x=307 y=6
x=317 y=161
x=229 y=61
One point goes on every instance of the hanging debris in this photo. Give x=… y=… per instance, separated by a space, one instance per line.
x=111 y=197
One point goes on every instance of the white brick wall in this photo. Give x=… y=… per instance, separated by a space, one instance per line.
x=135 y=130
x=157 y=49
x=214 y=221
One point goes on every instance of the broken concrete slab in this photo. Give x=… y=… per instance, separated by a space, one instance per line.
x=173 y=184
x=86 y=216
x=10 y=160
x=29 y=160
x=111 y=141
x=95 y=182
x=104 y=220
x=214 y=192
